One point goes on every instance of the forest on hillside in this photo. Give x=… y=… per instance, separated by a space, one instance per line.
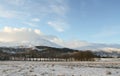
x=46 y=52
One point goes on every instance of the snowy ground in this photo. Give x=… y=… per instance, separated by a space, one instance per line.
x=30 y=68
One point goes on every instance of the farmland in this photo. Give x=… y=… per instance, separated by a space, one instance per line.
x=36 y=68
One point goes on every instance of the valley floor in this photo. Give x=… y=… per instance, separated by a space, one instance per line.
x=32 y=68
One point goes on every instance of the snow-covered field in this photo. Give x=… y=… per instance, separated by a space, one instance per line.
x=32 y=68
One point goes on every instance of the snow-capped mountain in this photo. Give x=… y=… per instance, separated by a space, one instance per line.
x=105 y=47
x=104 y=50
x=109 y=49
x=29 y=43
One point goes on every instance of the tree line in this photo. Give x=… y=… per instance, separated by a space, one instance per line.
x=74 y=56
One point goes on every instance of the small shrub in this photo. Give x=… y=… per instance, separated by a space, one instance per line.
x=108 y=73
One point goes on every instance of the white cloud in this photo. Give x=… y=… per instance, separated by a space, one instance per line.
x=34 y=11
x=30 y=24
x=7 y=13
x=35 y=19
x=37 y=31
x=33 y=22
x=36 y=8
x=60 y=26
x=60 y=10
x=54 y=39
x=76 y=44
x=69 y=44
x=10 y=34
x=19 y=34
x=23 y=10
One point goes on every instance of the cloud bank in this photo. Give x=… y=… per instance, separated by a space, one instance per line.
x=18 y=34
x=34 y=37
x=9 y=34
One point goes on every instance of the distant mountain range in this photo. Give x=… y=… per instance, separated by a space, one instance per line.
x=97 y=46
x=103 y=50
x=29 y=43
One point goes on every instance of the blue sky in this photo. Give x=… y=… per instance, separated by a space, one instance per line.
x=95 y=21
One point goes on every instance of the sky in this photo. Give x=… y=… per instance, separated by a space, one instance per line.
x=77 y=22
